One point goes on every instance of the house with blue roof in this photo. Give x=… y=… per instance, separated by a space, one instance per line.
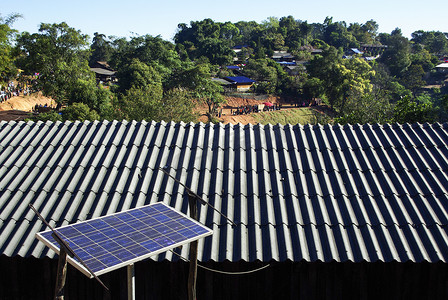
x=240 y=83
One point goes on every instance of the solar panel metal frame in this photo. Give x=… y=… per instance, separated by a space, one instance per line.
x=45 y=237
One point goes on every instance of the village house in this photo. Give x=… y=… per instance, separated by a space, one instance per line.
x=442 y=68
x=283 y=56
x=240 y=83
x=103 y=72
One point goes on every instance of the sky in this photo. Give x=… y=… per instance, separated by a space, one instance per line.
x=138 y=17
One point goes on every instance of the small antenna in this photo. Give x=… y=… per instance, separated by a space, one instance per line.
x=193 y=194
x=66 y=247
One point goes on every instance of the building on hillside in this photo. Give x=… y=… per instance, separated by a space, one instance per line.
x=293 y=68
x=240 y=83
x=103 y=72
x=320 y=212
x=235 y=69
x=353 y=51
x=283 y=56
x=373 y=50
x=442 y=68
x=241 y=54
x=316 y=51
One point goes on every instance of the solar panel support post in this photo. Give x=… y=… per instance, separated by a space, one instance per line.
x=131 y=282
x=192 y=275
x=62 y=274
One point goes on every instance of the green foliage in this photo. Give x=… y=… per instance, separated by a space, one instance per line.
x=191 y=77
x=364 y=33
x=52 y=116
x=408 y=111
x=79 y=112
x=265 y=72
x=139 y=75
x=196 y=80
x=397 y=55
x=211 y=94
x=386 y=86
x=365 y=108
x=340 y=78
x=101 y=49
x=413 y=78
x=157 y=79
x=96 y=97
x=7 y=67
x=423 y=57
x=434 y=41
x=313 y=88
x=337 y=35
x=140 y=104
x=58 y=52
x=216 y=51
x=152 y=51
x=177 y=106
x=294 y=116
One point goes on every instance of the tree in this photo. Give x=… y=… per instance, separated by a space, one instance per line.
x=152 y=51
x=264 y=71
x=191 y=77
x=7 y=67
x=413 y=78
x=79 y=112
x=366 y=108
x=435 y=42
x=337 y=35
x=421 y=56
x=101 y=48
x=408 y=111
x=139 y=75
x=397 y=55
x=313 y=88
x=141 y=103
x=211 y=94
x=59 y=54
x=217 y=51
x=96 y=97
x=177 y=106
x=228 y=31
x=341 y=77
x=364 y=33
x=386 y=86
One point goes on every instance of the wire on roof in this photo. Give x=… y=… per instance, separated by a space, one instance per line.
x=222 y=272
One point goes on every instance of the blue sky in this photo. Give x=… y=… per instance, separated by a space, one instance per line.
x=125 y=18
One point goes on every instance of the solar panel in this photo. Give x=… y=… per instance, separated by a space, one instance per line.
x=111 y=242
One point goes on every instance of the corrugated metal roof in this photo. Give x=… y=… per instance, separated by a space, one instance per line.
x=351 y=193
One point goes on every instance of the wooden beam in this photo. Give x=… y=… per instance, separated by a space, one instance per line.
x=193 y=202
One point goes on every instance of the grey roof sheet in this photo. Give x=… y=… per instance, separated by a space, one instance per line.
x=351 y=193
x=102 y=71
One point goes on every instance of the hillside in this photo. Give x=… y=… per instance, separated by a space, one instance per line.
x=19 y=108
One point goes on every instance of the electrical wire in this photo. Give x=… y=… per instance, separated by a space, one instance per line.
x=222 y=272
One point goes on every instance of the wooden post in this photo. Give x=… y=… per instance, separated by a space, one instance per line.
x=131 y=282
x=62 y=274
x=192 y=201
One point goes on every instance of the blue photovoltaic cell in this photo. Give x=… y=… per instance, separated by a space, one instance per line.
x=107 y=243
